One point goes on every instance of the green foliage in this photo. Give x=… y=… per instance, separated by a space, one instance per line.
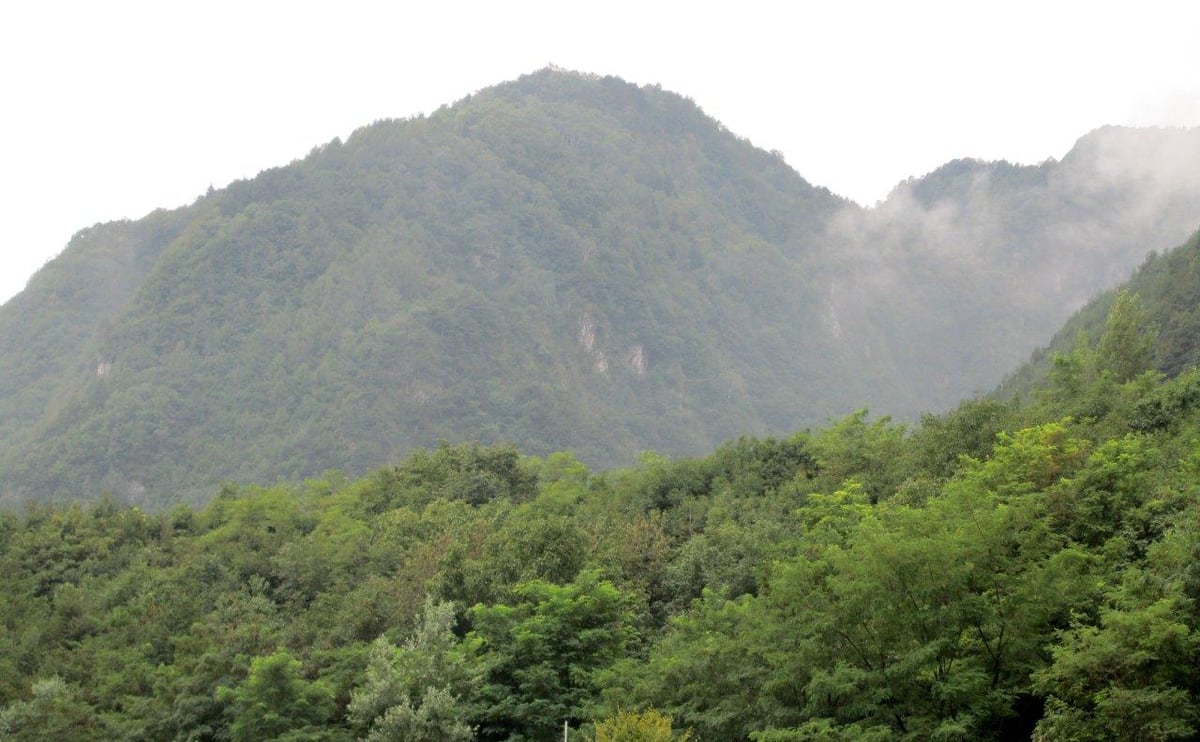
x=928 y=620
x=412 y=692
x=434 y=717
x=1107 y=496
x=474 y=474
x=824 y=730
x=711 y=670
x=1030 y=460
x=994 y=573
x=1126 y=348
x=1169 y=404
x=970 y=430
x=868 y=452
x=542 y=654
x=275 y=701
x=55 y=710
x=1131 y=674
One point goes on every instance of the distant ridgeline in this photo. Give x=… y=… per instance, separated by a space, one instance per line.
x=565 y=262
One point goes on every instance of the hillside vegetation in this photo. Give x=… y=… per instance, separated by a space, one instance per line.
x=563 y=262
x=995 y=572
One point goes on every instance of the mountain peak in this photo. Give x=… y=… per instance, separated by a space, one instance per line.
x=432 y=279
x=1115 y=151
x=564 y=261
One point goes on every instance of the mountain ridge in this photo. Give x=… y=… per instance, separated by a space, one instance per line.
x=562 y=261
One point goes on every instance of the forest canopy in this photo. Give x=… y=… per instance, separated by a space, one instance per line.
x=1002 y=570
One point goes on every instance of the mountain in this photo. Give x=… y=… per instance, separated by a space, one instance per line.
x=1167 y=290
x=952 y=280
x=564 y=262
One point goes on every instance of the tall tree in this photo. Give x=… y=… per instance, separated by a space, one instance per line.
x=543 y=653
x=275 y=700
x=1127 y=345
x=411 y=692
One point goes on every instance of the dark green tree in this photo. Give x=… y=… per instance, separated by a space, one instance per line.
x=543 y=653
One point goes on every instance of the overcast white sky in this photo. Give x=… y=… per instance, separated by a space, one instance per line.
x=112 y=109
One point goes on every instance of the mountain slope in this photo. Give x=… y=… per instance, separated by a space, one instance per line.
x=68 y=304
x=564 y=262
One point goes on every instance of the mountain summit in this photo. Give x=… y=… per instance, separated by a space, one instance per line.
x=564 y=262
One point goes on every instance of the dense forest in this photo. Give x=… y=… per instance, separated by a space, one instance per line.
x=1009 y=568
x=563 y=262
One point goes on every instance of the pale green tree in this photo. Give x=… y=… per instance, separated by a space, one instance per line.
x=1127 y=346
x=410 y=691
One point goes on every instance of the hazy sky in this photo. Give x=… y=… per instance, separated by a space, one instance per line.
x=112 y=109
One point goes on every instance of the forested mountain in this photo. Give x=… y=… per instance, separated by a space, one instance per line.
x=563 y=261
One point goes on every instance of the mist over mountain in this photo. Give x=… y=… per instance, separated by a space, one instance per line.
x=564 y=262
x=1167 y=290
x=952 y=279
